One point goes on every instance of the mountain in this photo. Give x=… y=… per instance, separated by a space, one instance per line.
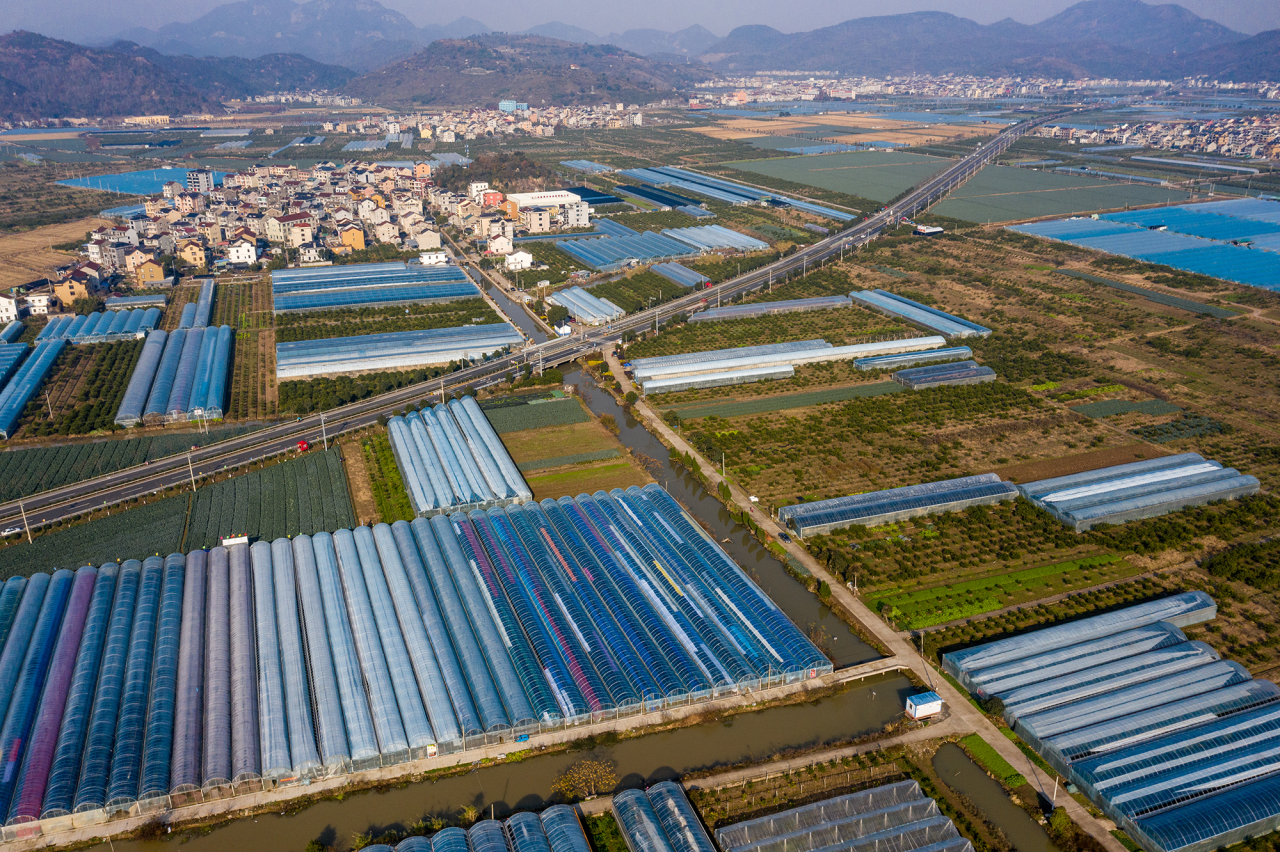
x=564 y=32
x=691 y=41
x=1095 y=38
x=361 y=34
x=233 y=77
x=45 y=77
x=538 y=70
x=1158 y=30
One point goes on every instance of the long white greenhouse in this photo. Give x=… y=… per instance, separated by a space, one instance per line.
x=452 y=460
x=660 y=819
x=1179 y=747
x=181 y=375
x=584 y=307
x=394 y=350
x=557 y=829
x=155 y=683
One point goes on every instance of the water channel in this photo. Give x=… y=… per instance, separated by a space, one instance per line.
x=961 y=774
x=524 y=785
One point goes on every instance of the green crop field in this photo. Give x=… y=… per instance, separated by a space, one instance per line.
x=634 y=292
x=783 y=402
x=1115 y=407
x=868 y=174
x=515 y=416
x=26 y=472
x=1152 y=295
x=1006 y=193
x=928 y=607
x=989 y=759
x=1187 y=426
x=389 y=494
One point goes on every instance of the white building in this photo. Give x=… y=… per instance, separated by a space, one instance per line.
x=242 y=252
x=11 y=308
x=518 y=260
x=924 y=705
x=550 y=198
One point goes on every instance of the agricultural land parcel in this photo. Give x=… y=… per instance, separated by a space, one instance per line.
x=302 y=495
x=869 y=174
x=852 y=127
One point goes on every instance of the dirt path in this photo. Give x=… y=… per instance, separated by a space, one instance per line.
x=967 y=717
x=358 y=482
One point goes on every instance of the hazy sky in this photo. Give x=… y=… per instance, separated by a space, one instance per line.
x=96 y=21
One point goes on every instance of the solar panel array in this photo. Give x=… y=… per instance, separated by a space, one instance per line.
x=1179 y=747
x=1144 y=489
x=932 y=319
x=451 y=459
x=368 y=284
x=891 y=818
x=395 y=350
x=1237 y=240
x=159 y=680
x=877 y=508
x=102 y=327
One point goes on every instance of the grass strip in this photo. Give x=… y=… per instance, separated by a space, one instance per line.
x=989 y=759
x=576 y=458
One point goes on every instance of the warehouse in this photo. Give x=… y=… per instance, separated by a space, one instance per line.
x=395 y=350
x=930 y=319
x=647 y=372
x=24 y=383
x=907 y=359
x=764 y=309
x=181 y=375
x=1177 y=746
x=660 y=819
x=891 y=818
x=1130 y=492
x=282 y=661
x=451 y=460
x=104 y=327
x=719 y=380
x=584 y=307
x=944 y=375
x=367 y=285
x=877 y=508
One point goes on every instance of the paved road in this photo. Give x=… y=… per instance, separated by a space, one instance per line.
x=143 y=480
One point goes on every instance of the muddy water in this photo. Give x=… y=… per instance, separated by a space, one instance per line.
x=803 y=607
x=961 y=774
x=525 y=785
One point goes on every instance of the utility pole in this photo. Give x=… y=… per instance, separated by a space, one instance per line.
x=26 y=526
x=324 y=437
x=191 y=470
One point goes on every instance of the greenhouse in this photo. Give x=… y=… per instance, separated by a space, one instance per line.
x=717 y=380
x=944 y=375
x=12 y=331
x=180 y=376
x=660 y=819
x=395 y=350
x=204 y=304
x=586 y=166
x=103 y=327
x=451 y=460
x=367 y=284
x=11 y=355
x=763 y=309
x=907 y=359
x=720 y=354
x=679 y=274
x=171 y=680
x=1180 y=748
x=584 y=307
x=715 y=237
x=615 y=251
x=24 y=383
x=930 y=319
x=892 y=818
x=897 y=504
x=661 y=197
x=1145 y=489
x=646 y=372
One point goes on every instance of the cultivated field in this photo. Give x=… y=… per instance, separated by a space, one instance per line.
x=876 y=175
x=27 y=256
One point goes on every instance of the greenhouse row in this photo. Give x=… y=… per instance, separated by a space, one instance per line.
x=1144 y=489
x=663 y=198
x=168 y=680
x=557 y=829
x=647 y=372
x=719 y=380
x=11 y=355
x=12 y=331
x=907 y=359
x=714 y=237
x=679 y=274
x=1179 y=747
x=203 y=305
x=877 y=508
x=584 y=307
x=451 y=460
x=103 y=327
x=944 y=375
x=181 y=375
x=586 y=166
x=930 y=319
x=393 y=350
x=366 y=284
x=642 y=364
x=155 y=300
x=728 y=191
x=660 y=819
x=764 y=309
x=614 y=252
x=891 y=818
x=24 y=383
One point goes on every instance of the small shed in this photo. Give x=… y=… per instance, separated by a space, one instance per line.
x=924 y=705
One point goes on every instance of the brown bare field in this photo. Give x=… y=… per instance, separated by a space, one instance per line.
x=358 y=482
x=535 y=444
x=29 y=256
x=1067 y=465
x=889 y=130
